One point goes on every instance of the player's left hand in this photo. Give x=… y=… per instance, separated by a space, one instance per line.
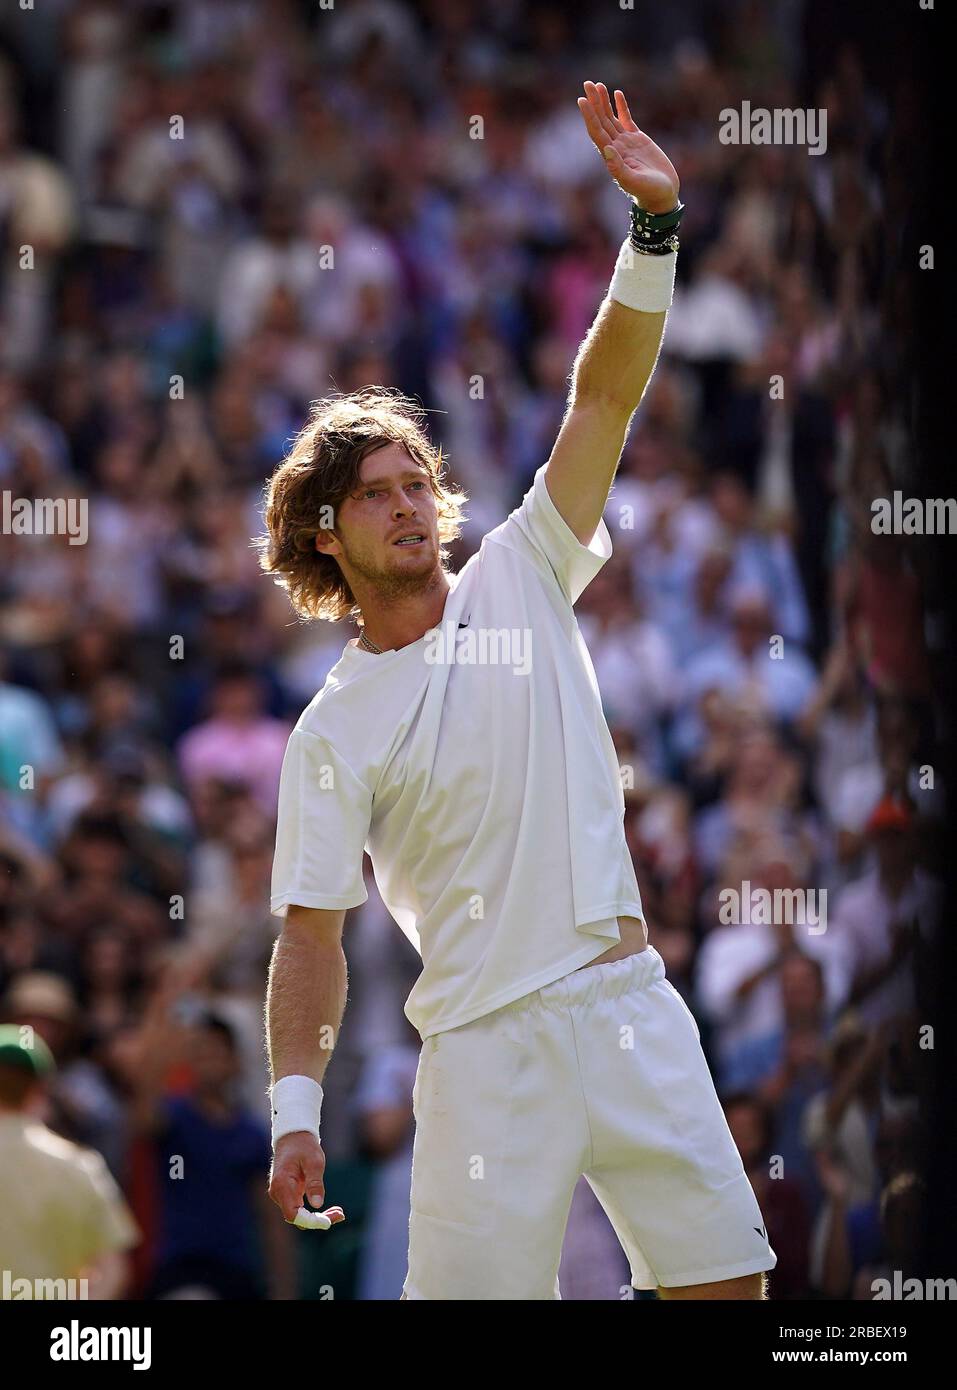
x=632 y=158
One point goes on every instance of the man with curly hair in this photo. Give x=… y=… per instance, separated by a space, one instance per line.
x=460 y=740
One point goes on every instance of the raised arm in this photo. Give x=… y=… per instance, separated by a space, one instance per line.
x=616 y=359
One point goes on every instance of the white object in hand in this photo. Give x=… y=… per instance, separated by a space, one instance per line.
x=311 y=1220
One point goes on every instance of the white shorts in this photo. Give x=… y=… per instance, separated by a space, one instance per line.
x=600 y=1073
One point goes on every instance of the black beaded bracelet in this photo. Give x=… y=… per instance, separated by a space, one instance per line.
x=655 y=234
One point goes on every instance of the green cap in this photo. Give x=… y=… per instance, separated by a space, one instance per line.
x=23 y=1047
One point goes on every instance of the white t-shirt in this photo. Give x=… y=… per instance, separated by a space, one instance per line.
x=486 y=787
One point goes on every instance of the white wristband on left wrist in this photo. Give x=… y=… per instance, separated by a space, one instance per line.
x=296 y=1106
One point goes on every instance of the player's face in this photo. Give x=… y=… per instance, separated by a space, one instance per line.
x=388 y=526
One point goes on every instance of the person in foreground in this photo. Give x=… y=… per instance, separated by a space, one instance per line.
x=461 y=740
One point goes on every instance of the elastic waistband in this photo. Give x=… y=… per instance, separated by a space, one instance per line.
x=592 y=982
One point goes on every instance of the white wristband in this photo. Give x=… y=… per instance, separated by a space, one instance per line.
x=643 y=282
x=296 y=1105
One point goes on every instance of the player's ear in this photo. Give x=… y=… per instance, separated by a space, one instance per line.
x=327 y=543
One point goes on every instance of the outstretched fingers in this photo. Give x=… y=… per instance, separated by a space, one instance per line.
x=592 y=123
x=606 y=106
x=624 y=114
x=603 y=113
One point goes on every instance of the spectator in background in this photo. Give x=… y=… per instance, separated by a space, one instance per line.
x=189 y=184
x=901 y=1214
x=883 y=607
x=62 y=1215
x=780 y=434
x=763 y=560
x=788 y=1067
x=227 y=632
x=110 y=876
x=840 y=722
x=797 y=1042
x=776 y=681
x=758 y=806
x=782 y=1202
x=632 y=660
x=239 y=742
x=892 y=771
x=31 y=755
x=37 y=209
x=135 y=783
x=707 y=622
x=840 y=1124
x=848 y=1236
x=739 y=972
x=884 y=921
x=211 y=1158
x=82 y=1104
x=276 y=257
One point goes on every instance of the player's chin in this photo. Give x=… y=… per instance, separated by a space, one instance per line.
x=420 y=556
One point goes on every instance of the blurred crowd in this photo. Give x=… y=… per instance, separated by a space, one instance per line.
x=232 y=208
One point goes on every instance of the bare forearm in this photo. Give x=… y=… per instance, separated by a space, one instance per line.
x=611 y=372
x=616 y=359
x=305 y=1001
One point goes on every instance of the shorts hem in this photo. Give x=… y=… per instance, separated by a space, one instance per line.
x=715 y=1273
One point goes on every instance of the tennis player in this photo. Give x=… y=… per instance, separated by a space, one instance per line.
x=460 y=740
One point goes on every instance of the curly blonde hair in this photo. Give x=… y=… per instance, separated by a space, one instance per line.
x=322 y=469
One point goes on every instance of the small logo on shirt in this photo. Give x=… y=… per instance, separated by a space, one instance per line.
x=480 y=646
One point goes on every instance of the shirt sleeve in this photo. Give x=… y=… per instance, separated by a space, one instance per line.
x=538 y=529
x=321 y=831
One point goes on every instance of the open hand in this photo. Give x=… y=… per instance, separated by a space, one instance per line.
x=632 y=158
